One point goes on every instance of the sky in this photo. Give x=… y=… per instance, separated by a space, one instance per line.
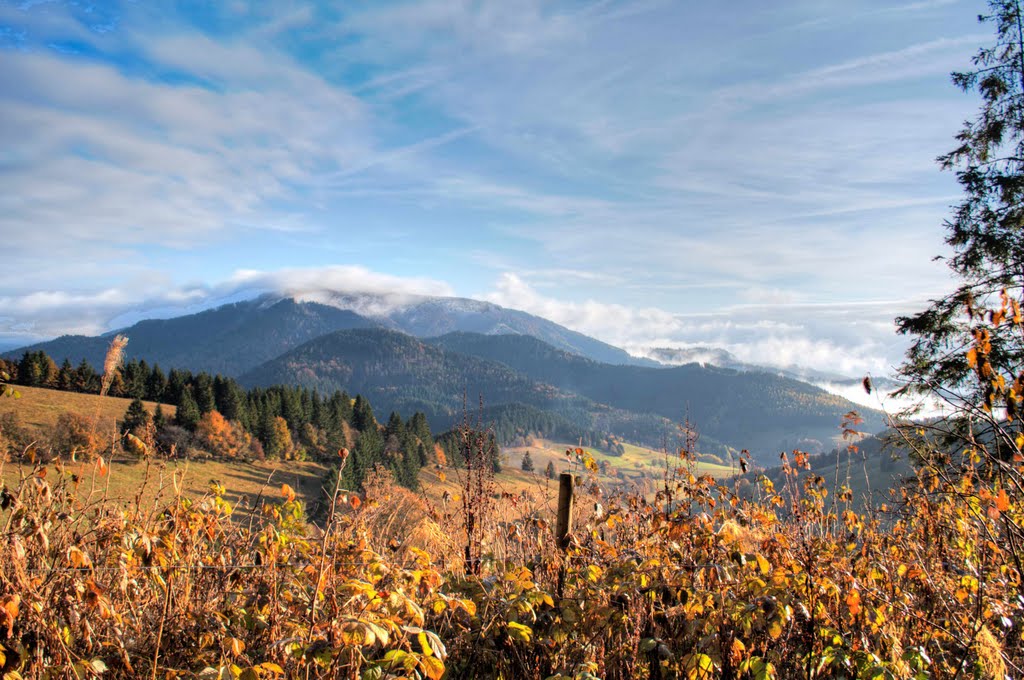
x=760 y=178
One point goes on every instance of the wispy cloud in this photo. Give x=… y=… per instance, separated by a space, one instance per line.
x=851 y=338
x=744 y=178
x=48 y=313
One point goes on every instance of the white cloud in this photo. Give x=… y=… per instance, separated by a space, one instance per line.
x=845 y=338
x=338 y=278
x=45 y=314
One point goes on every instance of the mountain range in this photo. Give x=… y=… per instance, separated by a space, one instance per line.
x=436 y=354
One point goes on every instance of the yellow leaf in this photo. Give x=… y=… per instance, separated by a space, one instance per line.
x=519 y=632
x=698 y=667
x=237 y=646
x=432 y=667
x=78 y=559
x=271 y=667
x=763 y=564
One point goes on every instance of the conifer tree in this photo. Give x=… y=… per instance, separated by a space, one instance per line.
x=986 y=230
x=136 y=418
x=187 y=415
x=527 y=464
x=159 y=419
x=66 y=376
x=156 y=384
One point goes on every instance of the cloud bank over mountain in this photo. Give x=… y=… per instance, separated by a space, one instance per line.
x=851 y=339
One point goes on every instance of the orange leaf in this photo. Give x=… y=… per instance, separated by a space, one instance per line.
x=287 y=492
x=853 y=602
x=355 y=502
x=1002 y=501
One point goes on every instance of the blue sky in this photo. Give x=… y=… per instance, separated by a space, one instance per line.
x=652 y=173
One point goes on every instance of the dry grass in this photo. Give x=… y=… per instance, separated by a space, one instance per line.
x=39 y=408
x=635 y=463
x=153 y=482
x=112 y=362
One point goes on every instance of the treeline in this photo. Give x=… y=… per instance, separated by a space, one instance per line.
x=515 y=424
x=216 y=415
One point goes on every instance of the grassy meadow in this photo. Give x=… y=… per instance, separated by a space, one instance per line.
x=38 y=408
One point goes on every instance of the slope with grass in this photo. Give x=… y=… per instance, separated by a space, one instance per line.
x=38 y=409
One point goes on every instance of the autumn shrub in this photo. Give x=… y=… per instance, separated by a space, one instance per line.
x=14 y=437
x=77 y=436
x=223 y=438
x=174 y=440
x=93 y=589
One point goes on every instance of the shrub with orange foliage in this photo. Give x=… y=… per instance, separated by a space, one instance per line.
x=223 y=438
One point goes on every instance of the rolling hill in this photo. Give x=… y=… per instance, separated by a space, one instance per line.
x=233 y=338
x=398 y=372
x=757 y=411
x=742 y=409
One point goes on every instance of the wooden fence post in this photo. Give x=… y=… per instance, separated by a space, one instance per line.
x=566 y=485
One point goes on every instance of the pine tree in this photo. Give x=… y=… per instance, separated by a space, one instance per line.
x=549 y=471
x=136 y=418
x=156 y=384
x=85 y=378
x=362 y=414
x=159 y=419
x=202 y=391
x=986 y=230
x=29 y=371
x=187 y=415
x=527 y=462
x=66 y=376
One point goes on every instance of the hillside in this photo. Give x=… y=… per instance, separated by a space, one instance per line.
x=875 y=466
x=743 y=409
x=236 y=337
x=227 y=340
x=398 y=372
x=38 y=408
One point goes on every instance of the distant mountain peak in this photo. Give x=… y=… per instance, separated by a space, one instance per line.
x=426 y=316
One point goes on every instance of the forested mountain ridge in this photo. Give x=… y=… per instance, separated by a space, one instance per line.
x=274 y=340
x=228 y=340
x=398 y=372
x=743 y=409
x=233 y=338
